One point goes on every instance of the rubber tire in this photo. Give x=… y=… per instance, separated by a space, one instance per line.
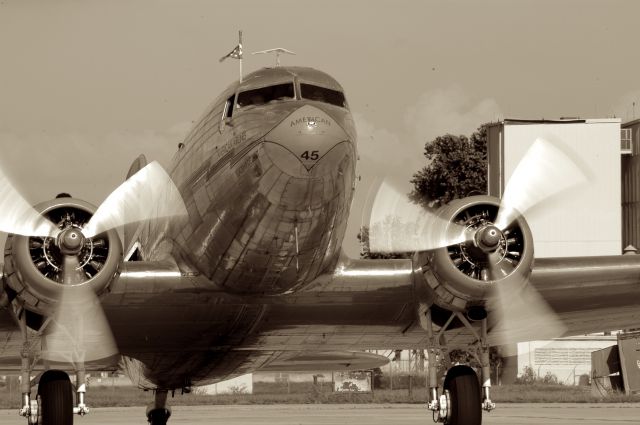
x=159 y=416
x=56 y=398
x=464 y=392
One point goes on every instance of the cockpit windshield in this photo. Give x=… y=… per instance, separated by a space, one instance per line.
x=321 y=94
x=265 y=95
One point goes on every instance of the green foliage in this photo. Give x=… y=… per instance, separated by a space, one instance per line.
x=363 y=237
x=530 y=377
x=307 y=393
x=457 y=168
x=467 y=357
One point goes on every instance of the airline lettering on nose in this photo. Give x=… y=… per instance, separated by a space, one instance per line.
x=310 y=121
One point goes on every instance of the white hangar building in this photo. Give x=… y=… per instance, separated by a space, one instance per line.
x=585 y=220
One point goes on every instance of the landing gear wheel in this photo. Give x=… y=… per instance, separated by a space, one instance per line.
x=158 y=416
x=55 y=396
x=463 y=388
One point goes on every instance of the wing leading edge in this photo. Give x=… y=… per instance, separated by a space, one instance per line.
x=591 y=294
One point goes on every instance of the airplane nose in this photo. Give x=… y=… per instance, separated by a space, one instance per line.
x=304 y=140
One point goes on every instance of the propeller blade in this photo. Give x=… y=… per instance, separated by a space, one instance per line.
x=79 y=331
x=399 y=225
x=544 y=171
x=148 y=194
x=18 y=216
x=522 y=315
x=71 y=272
x=495 y=268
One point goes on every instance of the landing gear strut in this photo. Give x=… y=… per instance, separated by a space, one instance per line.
x=53 y=404
x=29 y=407
x=81 y=388
x=460 y=402
x=158 y=412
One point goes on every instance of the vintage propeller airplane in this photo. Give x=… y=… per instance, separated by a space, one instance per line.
x=232 y=263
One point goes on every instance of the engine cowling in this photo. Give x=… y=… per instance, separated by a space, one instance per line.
x=32 y=264
x=466 y=275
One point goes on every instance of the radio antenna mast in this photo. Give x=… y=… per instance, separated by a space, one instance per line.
x=236 y=53
x=277 y=51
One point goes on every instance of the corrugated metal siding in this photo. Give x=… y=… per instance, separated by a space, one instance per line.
x=586 y=220
x=494 y=160
x=631 y=191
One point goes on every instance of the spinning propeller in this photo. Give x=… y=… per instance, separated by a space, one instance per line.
x=486 y=242
x=71 y=248
x=399 y=225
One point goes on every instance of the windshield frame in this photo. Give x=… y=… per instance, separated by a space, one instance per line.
x=255 y=90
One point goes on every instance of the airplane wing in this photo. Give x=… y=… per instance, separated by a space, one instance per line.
x=378 y=304
x=591 y=294
x=365 y=304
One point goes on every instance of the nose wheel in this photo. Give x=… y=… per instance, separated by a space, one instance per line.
x=55 y=399
x=461 y=397
x=462 y=400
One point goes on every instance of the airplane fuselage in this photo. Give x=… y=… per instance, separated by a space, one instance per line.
x=267 y=175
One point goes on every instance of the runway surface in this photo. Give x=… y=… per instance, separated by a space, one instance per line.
x=395 y=414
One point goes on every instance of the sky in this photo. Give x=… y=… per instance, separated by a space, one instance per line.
x=86 y=86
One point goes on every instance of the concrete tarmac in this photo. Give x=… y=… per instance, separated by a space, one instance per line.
x=362 y=414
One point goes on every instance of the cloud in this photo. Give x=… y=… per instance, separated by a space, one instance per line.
x=383 y=156
x=449 y=110
x=380 y=149
x=89 y=166
x=395 y=157
x=384 y=153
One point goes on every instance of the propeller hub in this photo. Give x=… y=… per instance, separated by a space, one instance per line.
x=71 y=241
x=488 y=238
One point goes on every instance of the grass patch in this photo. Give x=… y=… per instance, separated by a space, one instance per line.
x=306 y=393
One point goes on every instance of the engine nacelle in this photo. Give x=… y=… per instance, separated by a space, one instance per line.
x=32 y=267
x=466 y=275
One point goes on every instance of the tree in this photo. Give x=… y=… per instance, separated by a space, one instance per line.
x=457 y=168
x=365 y=251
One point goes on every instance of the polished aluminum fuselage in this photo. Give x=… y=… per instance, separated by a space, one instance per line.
x=260 y=275
x=263 y=220
x=254 y=276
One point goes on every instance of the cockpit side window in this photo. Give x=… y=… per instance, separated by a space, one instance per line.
x=322 y=94
x=228 y=107
x=265 y=95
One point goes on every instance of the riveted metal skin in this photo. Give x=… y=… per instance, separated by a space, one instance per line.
x=268 y=191
x=254 y=277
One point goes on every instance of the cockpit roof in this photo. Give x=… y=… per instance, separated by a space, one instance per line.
x=268 y=76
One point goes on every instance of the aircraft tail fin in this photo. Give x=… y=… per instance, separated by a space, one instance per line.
x=131 y=230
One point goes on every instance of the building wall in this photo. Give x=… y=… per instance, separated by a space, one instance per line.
x=279 y=377
x=495 y=179
x=631 y=189
x=241 y=384
x=584 y=220
x=566 y=358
